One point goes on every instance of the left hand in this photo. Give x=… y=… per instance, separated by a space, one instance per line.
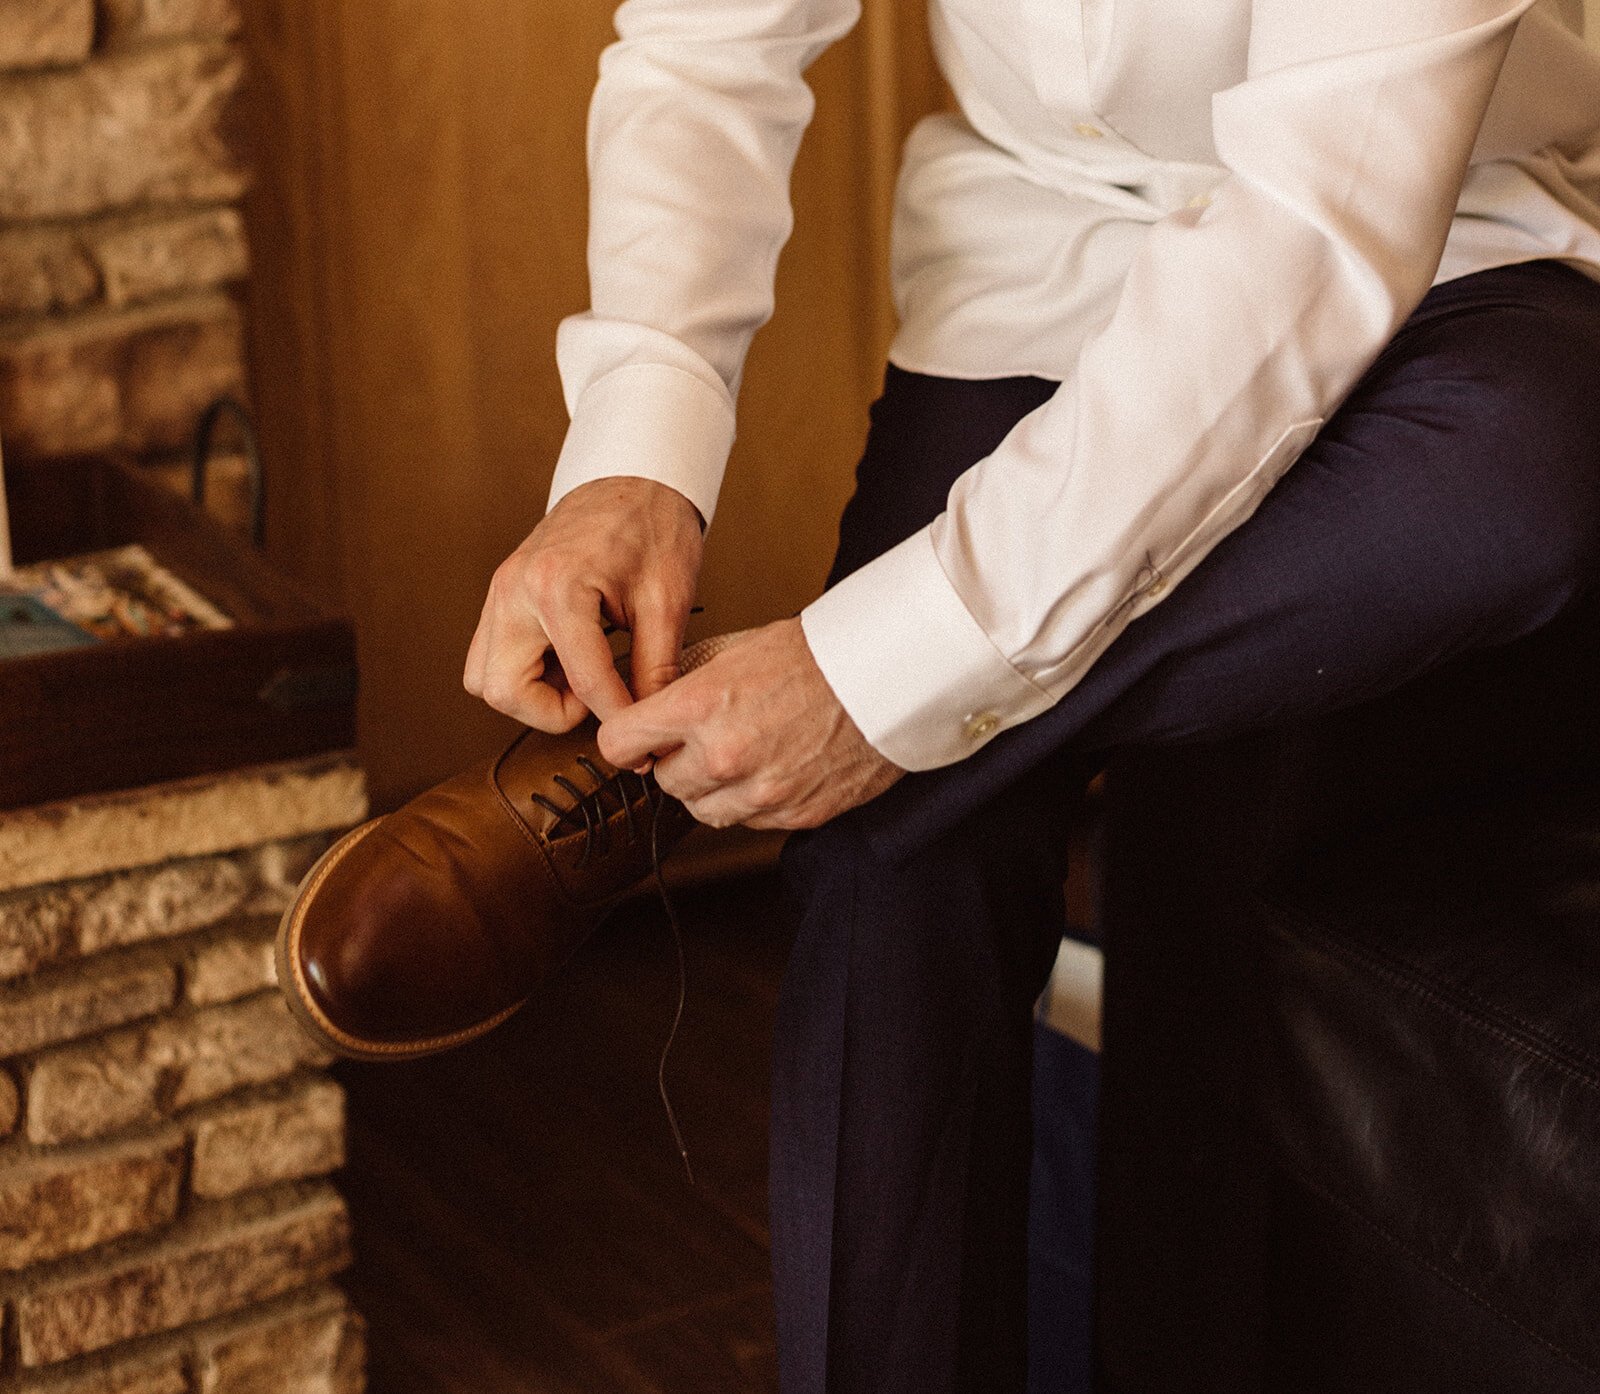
x=756 y=736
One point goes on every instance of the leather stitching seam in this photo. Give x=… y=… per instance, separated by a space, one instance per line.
x=1439 y=1272
x=1535 y=1044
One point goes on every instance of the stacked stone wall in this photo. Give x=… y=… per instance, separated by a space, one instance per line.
x=167 y=1225
x=122 y=248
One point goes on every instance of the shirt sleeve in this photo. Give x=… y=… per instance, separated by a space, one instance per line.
x=693 y=131
x=1240 y=327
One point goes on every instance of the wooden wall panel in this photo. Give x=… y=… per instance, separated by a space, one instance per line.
x=418 y=227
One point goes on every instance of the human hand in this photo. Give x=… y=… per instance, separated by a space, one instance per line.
x=756 y=736
x=620 y=549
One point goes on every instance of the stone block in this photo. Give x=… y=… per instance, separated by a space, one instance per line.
x=143 y=1073
x=317 y=1348
x=159 y=256
x=10 y=1104
x=119 y=261
x=100 y=833
x=138 y=379
x=235 y=965
x=43 y=33
x=66 y=1202
x=224 y=1264
x=114 y=1372
x=247 y=1146
x=45 y=271
x=153 y=127
x=62 y=1008
x=134 y=21
x=75 y=919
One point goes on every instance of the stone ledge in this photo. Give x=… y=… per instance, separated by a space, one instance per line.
x=67 y=1006
x=149 y=1372
x=119 y=260
x=318 y=1347
x=140 y=21
x=102 y=833
x=232 y=962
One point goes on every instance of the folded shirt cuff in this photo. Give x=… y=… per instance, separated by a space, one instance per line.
x=649 y=421
x=915 y=671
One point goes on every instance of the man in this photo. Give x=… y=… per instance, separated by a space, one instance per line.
x=1165 y=252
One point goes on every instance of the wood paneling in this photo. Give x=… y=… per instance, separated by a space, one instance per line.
x=418 y=231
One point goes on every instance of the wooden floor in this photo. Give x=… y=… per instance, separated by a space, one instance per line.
x=522 y=1219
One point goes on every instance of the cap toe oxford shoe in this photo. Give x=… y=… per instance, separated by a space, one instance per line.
x=426 y=928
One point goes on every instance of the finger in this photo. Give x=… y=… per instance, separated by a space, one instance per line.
x=580 y=641
x=513 y=672
x=657 y=646
x=650 y=728
x=478 y=652
x=721 y=808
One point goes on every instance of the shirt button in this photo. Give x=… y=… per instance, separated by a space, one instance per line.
x=1083 y=128
x=981 y=724
x=1156 y=589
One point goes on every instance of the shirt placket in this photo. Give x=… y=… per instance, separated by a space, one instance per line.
x=1059 y=63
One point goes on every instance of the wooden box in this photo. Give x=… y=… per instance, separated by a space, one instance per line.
x=279 y=684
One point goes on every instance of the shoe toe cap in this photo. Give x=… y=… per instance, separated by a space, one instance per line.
x=392 y=953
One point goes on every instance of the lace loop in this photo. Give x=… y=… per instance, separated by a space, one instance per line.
x=590 y=806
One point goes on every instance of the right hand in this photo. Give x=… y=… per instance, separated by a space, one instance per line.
x=620 y=549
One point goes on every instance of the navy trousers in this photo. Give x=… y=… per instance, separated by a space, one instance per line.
x=1452 y=502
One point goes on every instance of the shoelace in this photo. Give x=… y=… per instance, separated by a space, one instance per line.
x=683 y=995
x=590 y=806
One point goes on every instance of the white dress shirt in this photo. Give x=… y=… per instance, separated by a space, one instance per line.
x=1203 y=218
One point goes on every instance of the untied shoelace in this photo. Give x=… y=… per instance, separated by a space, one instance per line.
x=693 y=657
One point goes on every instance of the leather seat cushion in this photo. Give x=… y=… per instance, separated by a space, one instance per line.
x=1432 y=1062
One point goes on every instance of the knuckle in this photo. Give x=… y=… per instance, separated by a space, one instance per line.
x=498 y=694
x=585 y=686
x=712 y=817
x=724 y=762
x=769 y=793
x=542 y=574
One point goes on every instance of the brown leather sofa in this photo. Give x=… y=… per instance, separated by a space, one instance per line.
x=1350 y=1131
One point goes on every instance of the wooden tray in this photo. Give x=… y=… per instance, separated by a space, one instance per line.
x=280 y=684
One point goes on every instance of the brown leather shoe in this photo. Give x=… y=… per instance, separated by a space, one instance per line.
x=426 y=928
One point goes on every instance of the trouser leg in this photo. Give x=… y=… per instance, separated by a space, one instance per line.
x=1452 y=503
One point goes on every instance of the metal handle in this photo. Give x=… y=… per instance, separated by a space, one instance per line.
x=201 y=460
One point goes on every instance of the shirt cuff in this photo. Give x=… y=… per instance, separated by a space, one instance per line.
x=911 y=666
x=648 y=421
